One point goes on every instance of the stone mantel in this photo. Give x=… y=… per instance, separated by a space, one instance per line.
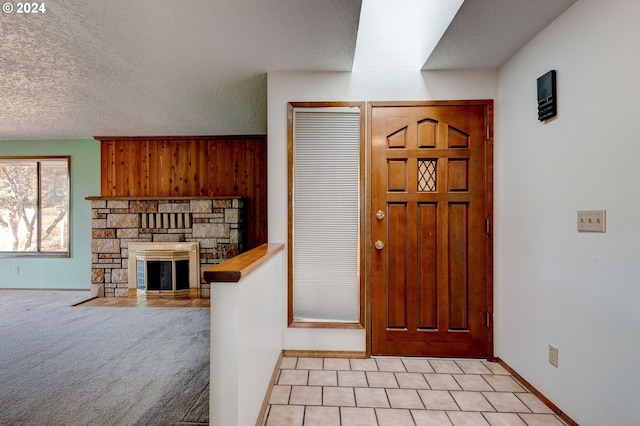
x=216 y=223
x=224 y=197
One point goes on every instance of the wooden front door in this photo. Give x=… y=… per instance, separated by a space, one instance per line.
x=430 y=237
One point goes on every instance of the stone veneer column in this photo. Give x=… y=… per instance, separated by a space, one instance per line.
x=215 y=223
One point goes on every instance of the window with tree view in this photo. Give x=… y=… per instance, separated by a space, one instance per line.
x=34 y=206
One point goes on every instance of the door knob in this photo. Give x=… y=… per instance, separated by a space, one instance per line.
x=379 y=245
x=380 y=215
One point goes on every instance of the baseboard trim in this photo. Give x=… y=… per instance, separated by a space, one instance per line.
x=324 y=354
x=267 y=396
x=537 y=393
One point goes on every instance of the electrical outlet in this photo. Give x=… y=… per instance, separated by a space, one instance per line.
x=592 y=220
x=16 y=269
x=553 y=355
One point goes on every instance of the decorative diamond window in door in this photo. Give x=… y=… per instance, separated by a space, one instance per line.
x=427 y=175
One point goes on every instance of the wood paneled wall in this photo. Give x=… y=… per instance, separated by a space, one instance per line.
x=190 y=167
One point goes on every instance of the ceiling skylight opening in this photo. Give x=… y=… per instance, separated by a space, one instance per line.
x=400 y=35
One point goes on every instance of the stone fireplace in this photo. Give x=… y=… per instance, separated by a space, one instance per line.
x=209 y=229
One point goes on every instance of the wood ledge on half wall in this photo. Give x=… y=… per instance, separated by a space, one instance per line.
x=238 y=267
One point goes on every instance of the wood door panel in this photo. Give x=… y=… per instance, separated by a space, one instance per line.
x=458 y=178
x=397 y=266
x=429 y=283
x=397 y=176
x=427 y=132
x=398 y=139
x=427 y=234
x=458 y=267
x=458 y=138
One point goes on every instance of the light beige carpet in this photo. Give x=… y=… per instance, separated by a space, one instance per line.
x=65 y=365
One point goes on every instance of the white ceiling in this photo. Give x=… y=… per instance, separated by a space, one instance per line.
x=485 y=33
x=160 y=67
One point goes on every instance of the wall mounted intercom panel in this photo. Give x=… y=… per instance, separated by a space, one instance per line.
x=547 y=102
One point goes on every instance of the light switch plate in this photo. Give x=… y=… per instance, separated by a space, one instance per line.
x=553 y=355
x=592 y=220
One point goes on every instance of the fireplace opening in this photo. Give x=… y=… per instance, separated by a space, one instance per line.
x=164 y=269
x=162 y=272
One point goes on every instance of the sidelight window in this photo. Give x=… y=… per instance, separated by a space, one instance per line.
x=324 y=221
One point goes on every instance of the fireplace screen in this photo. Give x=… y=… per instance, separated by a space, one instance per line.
x=162 y=270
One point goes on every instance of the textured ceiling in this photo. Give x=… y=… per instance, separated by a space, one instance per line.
x=485 y=33
x=160 y=67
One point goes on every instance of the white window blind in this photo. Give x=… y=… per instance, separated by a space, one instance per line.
x=326 y=228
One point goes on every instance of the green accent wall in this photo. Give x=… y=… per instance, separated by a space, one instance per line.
x=58 y=273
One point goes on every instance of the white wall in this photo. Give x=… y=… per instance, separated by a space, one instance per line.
x=578 y=291
x=288 y=87
x=245 y=342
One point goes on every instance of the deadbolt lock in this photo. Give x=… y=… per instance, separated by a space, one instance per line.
x=380 y=215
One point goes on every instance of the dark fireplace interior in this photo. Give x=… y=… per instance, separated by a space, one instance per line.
x=160 y=274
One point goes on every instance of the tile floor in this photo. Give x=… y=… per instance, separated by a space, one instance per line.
x=120 y=302
x=401 y=391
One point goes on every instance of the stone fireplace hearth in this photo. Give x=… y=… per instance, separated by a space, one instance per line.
x=213 y=225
